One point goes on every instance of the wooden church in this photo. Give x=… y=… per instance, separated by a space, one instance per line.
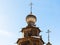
x=31 y=32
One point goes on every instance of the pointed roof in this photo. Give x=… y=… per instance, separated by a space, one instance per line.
x=48 y=43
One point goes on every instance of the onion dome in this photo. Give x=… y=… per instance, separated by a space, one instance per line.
x=31 y=19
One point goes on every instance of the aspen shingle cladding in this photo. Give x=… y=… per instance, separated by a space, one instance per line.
x=20 y=40
x=30 y=28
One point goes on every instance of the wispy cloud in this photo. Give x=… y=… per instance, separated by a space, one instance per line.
x=5 y=33
x=3 y=26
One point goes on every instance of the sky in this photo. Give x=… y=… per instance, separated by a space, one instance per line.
x=13 y=18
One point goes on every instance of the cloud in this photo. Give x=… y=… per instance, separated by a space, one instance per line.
x=5 y=33
x=4 y=26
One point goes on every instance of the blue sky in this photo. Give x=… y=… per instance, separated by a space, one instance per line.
x=14 y=12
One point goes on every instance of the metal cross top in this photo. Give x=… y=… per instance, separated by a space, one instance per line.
x=31 y=6
x=48 y=34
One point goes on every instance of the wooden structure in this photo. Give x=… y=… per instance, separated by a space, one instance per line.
x=31 y=33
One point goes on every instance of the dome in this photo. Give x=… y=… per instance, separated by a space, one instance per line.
x=48 y=43
x=31 y=19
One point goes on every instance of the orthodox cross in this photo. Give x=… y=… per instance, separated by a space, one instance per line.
x=48 y=34
x=31 y=7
